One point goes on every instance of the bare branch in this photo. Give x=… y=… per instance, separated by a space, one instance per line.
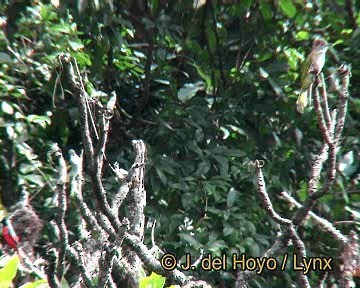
x=151 y=262
x=106 y=265
x=76 y=255
x=51 y=269
x=301 y=251
x=265 y=197
x=319 y=112
x=324 y=98
x=137 y=201
x=323 y=223
x=60 y=218
x=75 y=87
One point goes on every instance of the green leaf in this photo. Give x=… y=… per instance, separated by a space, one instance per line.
x=211 y=39
x=214 y=210
x=225 y=131
x=337 y=42
x=35 y=179
x=346 y=163
x=26 y=168
x=187 y=199
x=302 y=35
x=82 y=58
x=119 y=39
x=152 y=281
x=216 y=246
x=5 y=283
x=224 y=164
x=210 y=189
x=7 y=108
x=234 y=153
x=288 y=8
x=203 y=75
x=161 y=175
x=65 y=29
x=254 y=250
x=228 y=229
x=192 y=241
x=37 y=284
x=293 y=58
x=347 y=31
x=8 y=272
x=302 y=193
x=188 y=91
x=76 y=45
x=5 y=58
x=231 y=197
x=203 y=168
x=154 y=6
x=266 y=10
x=43 y=121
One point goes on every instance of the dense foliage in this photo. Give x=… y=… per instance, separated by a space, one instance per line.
x=210 y=88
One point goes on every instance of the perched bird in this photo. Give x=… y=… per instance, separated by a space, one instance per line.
x=312 y=67
x=76 y=163
x=120 y=173
x=20 y=231
x=9 y=235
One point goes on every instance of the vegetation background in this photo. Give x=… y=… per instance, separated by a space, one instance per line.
x=210 y=86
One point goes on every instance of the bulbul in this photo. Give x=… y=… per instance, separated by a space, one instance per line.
x=312 y=67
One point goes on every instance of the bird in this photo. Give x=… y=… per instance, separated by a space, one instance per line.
x=9 y=235
x=312 y=67
x=119 y=172
x=76 y=163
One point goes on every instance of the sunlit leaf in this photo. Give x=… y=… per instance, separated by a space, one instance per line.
x=203 y=75
x=37 y=284
x=188 y=91
x=225 y=131
x=302 y=193
x=76 y=45
x=346 y=163
x=153 y=281
x=288 y=8
x=7 y=108
x=8 y=272
x=35 y=179
x=302 y=35
x=43 y=121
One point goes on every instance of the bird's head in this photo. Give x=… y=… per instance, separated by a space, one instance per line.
x=320 y=44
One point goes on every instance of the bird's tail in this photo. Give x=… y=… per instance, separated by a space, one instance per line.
x=302 y=101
